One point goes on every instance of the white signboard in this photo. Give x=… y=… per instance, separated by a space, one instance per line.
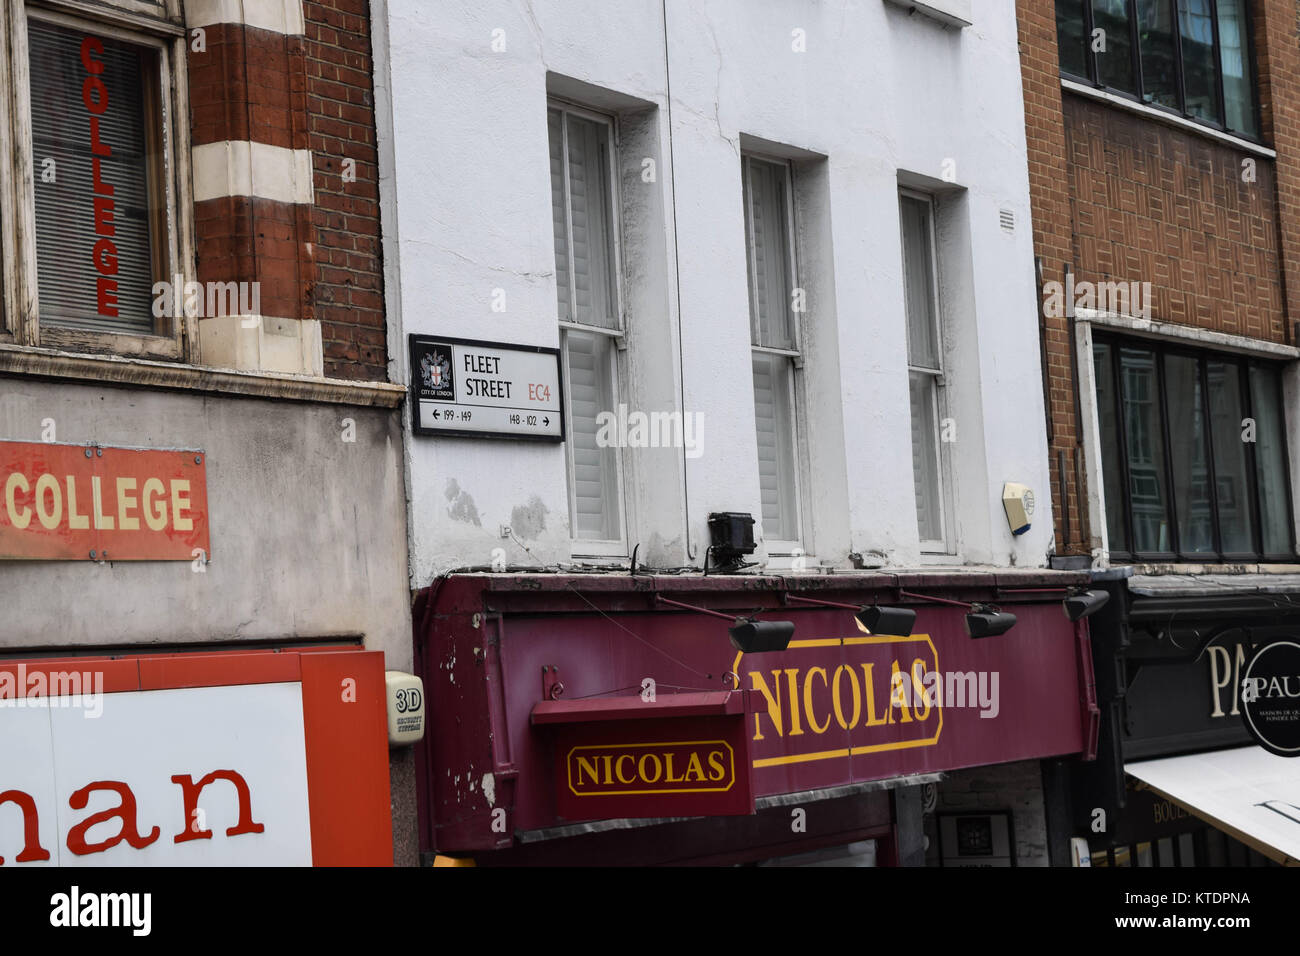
x=204 y=776
x=475 y=389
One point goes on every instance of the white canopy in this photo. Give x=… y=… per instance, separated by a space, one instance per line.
x=1246 y=792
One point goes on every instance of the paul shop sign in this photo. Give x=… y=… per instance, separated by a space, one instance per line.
x=78 y=502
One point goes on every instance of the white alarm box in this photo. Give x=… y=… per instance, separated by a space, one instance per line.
x=405 y=708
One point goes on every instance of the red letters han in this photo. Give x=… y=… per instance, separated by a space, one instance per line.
x=125 y=811
x=94 y=94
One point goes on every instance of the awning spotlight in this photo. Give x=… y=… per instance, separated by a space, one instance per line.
x=1083 y=604
x=894 y=621
x=871 y=618
x=747 y=634
x=755 y=637
x=985 y=621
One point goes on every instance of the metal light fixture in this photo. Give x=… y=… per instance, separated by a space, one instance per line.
x=747 y=634
x=755 y=637
x=1080 y=604
x=985 y=621
x=982 y=620
x=894 y=621
x=871 y=618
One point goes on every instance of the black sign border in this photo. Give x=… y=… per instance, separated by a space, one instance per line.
x=1260 y=739
x=415 y=340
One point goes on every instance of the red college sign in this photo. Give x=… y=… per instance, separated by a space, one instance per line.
x=79 y=502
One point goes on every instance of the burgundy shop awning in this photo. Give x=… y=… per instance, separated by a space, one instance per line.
x=535 y=688
x=705 y=704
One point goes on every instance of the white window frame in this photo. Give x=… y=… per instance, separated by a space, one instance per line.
x=20 y=322
x=779 y=547
x=589 y=547
x=945 y=544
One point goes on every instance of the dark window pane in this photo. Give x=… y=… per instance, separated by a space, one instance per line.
x=1270 y=459
x=1231 y=475
x=1069 y=37
x=1234 y=56
x=1200 y=71
x=1156 y=44
x=1111 y=454
x=1115 y=59
x=1148 y=489
x=1190 y=456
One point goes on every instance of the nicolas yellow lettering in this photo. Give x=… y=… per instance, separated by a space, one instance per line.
x=793 y=696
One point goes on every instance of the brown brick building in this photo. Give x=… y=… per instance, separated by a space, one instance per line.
x=1163 y=149
x=1163 y=166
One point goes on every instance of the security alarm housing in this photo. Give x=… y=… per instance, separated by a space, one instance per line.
x=1018 y=500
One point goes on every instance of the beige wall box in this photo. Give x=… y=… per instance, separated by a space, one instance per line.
x=405 y=708
x=1018 y=500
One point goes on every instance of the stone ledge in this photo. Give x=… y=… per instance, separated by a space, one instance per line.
x=144 y=373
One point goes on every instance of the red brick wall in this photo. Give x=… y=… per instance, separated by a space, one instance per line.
x=1277 y=56
x=246 y=84
x=1151 y=203
x=1125 y=198
x=302 y=92
x=348 y=295
x=1049 y=193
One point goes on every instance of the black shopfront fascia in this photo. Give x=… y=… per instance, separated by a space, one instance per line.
x=1155 y=663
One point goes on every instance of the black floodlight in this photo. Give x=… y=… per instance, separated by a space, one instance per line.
x=731 y=536
x=985 y=621
x=747 y=634
x=1083 y=604
x=894 y=621
x=755 y=637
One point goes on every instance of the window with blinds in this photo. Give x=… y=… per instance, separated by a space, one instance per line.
x=924 y=370
x=586 y=271
x=99 y=202
x=770 y=258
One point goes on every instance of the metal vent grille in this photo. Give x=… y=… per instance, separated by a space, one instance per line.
x=1008 y=220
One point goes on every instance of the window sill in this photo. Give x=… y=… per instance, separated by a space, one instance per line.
x=951 y=13
x=1170 y=119
x=589 y=551
x=116 y=370
x=793 y=562
x=939 y=558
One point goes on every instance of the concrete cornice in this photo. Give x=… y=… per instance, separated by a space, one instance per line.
x=143 y=373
